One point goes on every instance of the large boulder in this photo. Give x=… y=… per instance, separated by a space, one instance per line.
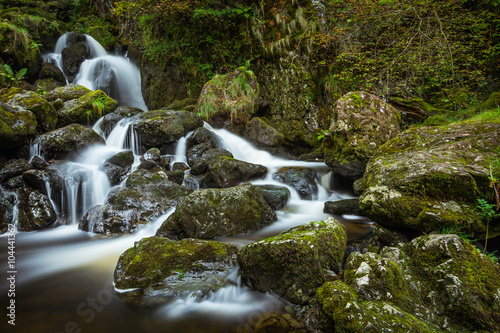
x=45 y=114
x=175 y=268
x=431 y=177
x=212 y=213
x=67 y=92
x=86 y=109
x=13 y=168
x=361 y=123
x=161 y=128
x=67 y=142
x=433 y=283
x=304 y=180
x=262 y=134
x=74 y=54
x=35 y=210
x=200 y=156
x=111 y=119
x=118 y=166
x=276 y=196
x=17 y=127
x=296 y=262
x=229 y=100
x=227 y=172
x=203 y=135
x=147 y=195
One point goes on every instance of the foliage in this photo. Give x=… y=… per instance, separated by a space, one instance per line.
x=487 y=212
x=6 y=71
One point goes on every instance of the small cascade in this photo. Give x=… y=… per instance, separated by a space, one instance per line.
x=123 y=136
x=15 y=212
x=35 y=150
x=95 y=48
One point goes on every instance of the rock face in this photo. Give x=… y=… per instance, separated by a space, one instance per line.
x=67 y=142
x=212 y=213
x=296 y=262
x=361 y=123
x=175 y=268
x=147 y=194
x=301 y=179
x=86 y=109
x=434 y=283
x=229 y=100
x=227 y=172
x=159 y=128
x=430 y=177
x=263 y=134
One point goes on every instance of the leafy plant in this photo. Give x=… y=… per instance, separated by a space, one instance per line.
x=10 y=75
x=486 y=212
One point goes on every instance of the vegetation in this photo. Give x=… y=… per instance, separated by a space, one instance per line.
x=7 y=72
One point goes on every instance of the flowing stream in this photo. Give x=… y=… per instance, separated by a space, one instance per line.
x=64 y=279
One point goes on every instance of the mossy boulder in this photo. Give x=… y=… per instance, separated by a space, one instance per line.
x=262 y=134
x=431 y=177
x=492 y=102
x=175 y=268
x=203 y=135
x=212 y=213
x=226 y=172
x=296 y=262
x=67 y=142
x=86 y=110
x=361 y=123
x=229 y=100
x=200 y=156
x=276 y=196
x=35 y=210
x=67 y=92
x=111 y=119
x=118 y=166
x=160 y=128
x=344 y=206
x=52 y=72
x=13 y=168
x=73 y=55
x=17 y=127
x=146 y=195
x=434 y=283
x=302 y=179
x=45 y=114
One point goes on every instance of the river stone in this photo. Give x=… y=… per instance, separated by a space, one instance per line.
x=227 y=172
x=276 y=196
x=263 y=135
x=158 y=128
x=361 y=123
x=67 y=92
x=45 y=114
x=86 y=109
x=17 y=127
x=431 y=177
x=212 y=213
x=342 y=207
x=203 y=135
x=301 y=179
x=74 y=54
x=51 y=72
x=177 y=268
x=118 y=166
x=147 y=195
x=296 y=262
x=67 y=142
x=35 y=210
x=36 y=179
x=200 y=156
x=13 y=168
x=110 y=120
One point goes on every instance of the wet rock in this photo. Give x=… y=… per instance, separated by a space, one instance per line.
x=147 y=165
x=111 y=119
x=263 y=135
x=50 y=71
x=389 y=237
x=67 y=142
x=174 y=268
x=301 y=179
x=73 y=55
x=201 y=155
x=176 y=176
x=227 y=172
x=67 y=92
x=431 y=177
x=158 y=128
x=342 y=207
x=212 y=213
x=203 y=135
x=118 y=166
x=86 y=109
x=6 y=210
x=17 y=128
x=276 y=196
x=35 y=210
x=296 y=262
x=153 y=155
x=39 y=163
x=361 y=123
x=13 y=168
x=36 y=179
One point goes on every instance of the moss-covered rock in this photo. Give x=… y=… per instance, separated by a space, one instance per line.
x=17 y=127
x=263 y=134
x=341 y=207
x=212 y=213
x=118 y=166
x=13 y=168
x=35 y=210
x=229 y=100
x=276 y=196
x=67 y=142
x=200 y=156
x=304 y=180
x=492 y=102
x=21 y=99
x=111 y=119
x=296 y=262
x=67 y=92
x=226 y=172
x=361 y=123
x=430 y=177
x=86 y=109
x=52 y=72
x=159 y=128
x=177 y=268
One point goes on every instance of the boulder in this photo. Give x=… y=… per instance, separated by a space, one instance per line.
x=296 y=262
x=226 y=172
x=45 y=114
x=67 y=92
x=118 y=166
x=301 y=179
x=431 y=177
x=86 y=110
x=229 y=100
x=17 y=128
x=73 y=55
x=203 y=135
x=13 y=168
x=361 y=123
x=51 y=71
x=35 y=210
x=342 y=207
x=175 y=268
x=67 y=142
x=200 y=156
x=159 y=128
x=212 y=213
x=276 y=196
x=111 y=119
x=262 y=134
x=147 y=194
